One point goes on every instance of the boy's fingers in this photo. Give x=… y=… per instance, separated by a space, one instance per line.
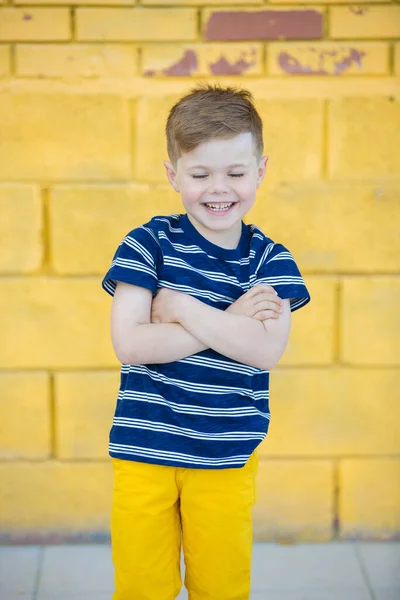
x=262 y=315
x=260 y=288
x=273 y=301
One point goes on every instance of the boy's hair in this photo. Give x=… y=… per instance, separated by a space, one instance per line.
x=212 y=112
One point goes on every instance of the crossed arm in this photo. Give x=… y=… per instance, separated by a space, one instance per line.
x=254 y=330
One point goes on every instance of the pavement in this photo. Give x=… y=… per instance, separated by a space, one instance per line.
x=332 y=571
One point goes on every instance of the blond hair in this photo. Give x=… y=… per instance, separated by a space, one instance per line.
x=211 y=112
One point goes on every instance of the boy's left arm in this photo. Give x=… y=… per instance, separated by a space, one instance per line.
x=256 y=343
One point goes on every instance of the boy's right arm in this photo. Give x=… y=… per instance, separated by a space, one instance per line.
x=138 y=341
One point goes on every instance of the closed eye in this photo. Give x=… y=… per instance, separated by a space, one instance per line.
x=230 y=175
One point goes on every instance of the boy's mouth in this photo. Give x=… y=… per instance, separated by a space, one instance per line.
x=219 y=207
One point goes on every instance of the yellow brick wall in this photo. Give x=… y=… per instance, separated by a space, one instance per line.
x=85 y=87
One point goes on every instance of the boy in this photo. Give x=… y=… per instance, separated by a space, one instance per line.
x=197 y=324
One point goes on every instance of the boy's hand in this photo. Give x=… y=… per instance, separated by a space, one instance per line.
x=163 y=307
x=260 y=302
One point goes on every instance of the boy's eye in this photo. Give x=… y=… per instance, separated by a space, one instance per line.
x=230 y=175
x=199 y=176
x=236 y=174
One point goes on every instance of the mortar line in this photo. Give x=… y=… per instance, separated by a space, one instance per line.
x=364 y=572
x=336 y=497
x=38 y=575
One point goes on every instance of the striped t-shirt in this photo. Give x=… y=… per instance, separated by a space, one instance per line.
x=206 y=410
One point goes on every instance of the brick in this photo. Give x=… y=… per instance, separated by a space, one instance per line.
x=5 y=60
x=31 y=24
x=370 y=321
x=150 y=114
x=62 y=136
x=312 y=337
x=364 y=22
x=369 y=498
x=362 y=236
x=76 y=60
x=363 y=138
x=136 y=24
x=262 y=24
x=77 y=499
x=294 y=500
x=82 y=427
x=294 y=2
x=79 y=2
x=328 y=58
x=32 y=310
x=199 y=2
x=333 y=412
x=25 y=427
x=285 y=123
x=98 y=218
x=202 y=59
x=397 y=59
x=20 y=228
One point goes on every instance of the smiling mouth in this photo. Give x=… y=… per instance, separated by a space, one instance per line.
x=216 y=207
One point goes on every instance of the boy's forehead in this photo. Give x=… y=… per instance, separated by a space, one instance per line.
x=235 y=151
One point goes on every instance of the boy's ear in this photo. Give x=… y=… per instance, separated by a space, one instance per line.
x=171 y=174
x=262 y=168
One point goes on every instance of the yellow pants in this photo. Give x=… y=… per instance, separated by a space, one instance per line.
x=154 y=506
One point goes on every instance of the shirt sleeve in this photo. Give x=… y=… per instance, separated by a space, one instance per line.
x=280 y=270
x=136 y=261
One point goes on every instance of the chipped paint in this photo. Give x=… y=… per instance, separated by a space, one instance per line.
x=327 y=62
x=184 y=66
x=264 y=25
x=223 y=67
x=358 y=10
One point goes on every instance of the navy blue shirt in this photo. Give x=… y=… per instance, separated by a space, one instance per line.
x=206 y=410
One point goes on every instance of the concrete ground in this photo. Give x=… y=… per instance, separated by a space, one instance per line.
x=334 y=571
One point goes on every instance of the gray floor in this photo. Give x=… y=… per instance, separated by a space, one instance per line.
x=335 y=571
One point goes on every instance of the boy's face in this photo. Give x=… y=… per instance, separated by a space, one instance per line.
x=218 y=182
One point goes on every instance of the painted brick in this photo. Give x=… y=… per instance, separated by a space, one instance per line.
x=24 y=415
x=370 y=321
x=105 y=213
x=354 y=228
x=79 y=2
x=32 y=310
x=5 y=60
x=295 y=500
x=199 y=2
x=20 y=228
x=266 y=24
x=294 y=2
x=76 y=60
x=82 y=427
x=332 y=412
x=312 y=337
x=363 y=138
x=328 y=58
x=62 y=136
x=364 y=22
x=397 y=59
x=140 y=24
x=293 y=138
x=31 y=24
x=370 y=498
x=202 y=59
x=150 y=114
x=77 y=499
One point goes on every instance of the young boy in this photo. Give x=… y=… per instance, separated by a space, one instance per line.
x=200 y=315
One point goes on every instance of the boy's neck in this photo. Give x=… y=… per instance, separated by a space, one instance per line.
x=227 y=239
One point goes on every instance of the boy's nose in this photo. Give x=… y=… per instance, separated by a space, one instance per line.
x=218 y=186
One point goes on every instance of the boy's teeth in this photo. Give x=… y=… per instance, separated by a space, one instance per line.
x=219 y=206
